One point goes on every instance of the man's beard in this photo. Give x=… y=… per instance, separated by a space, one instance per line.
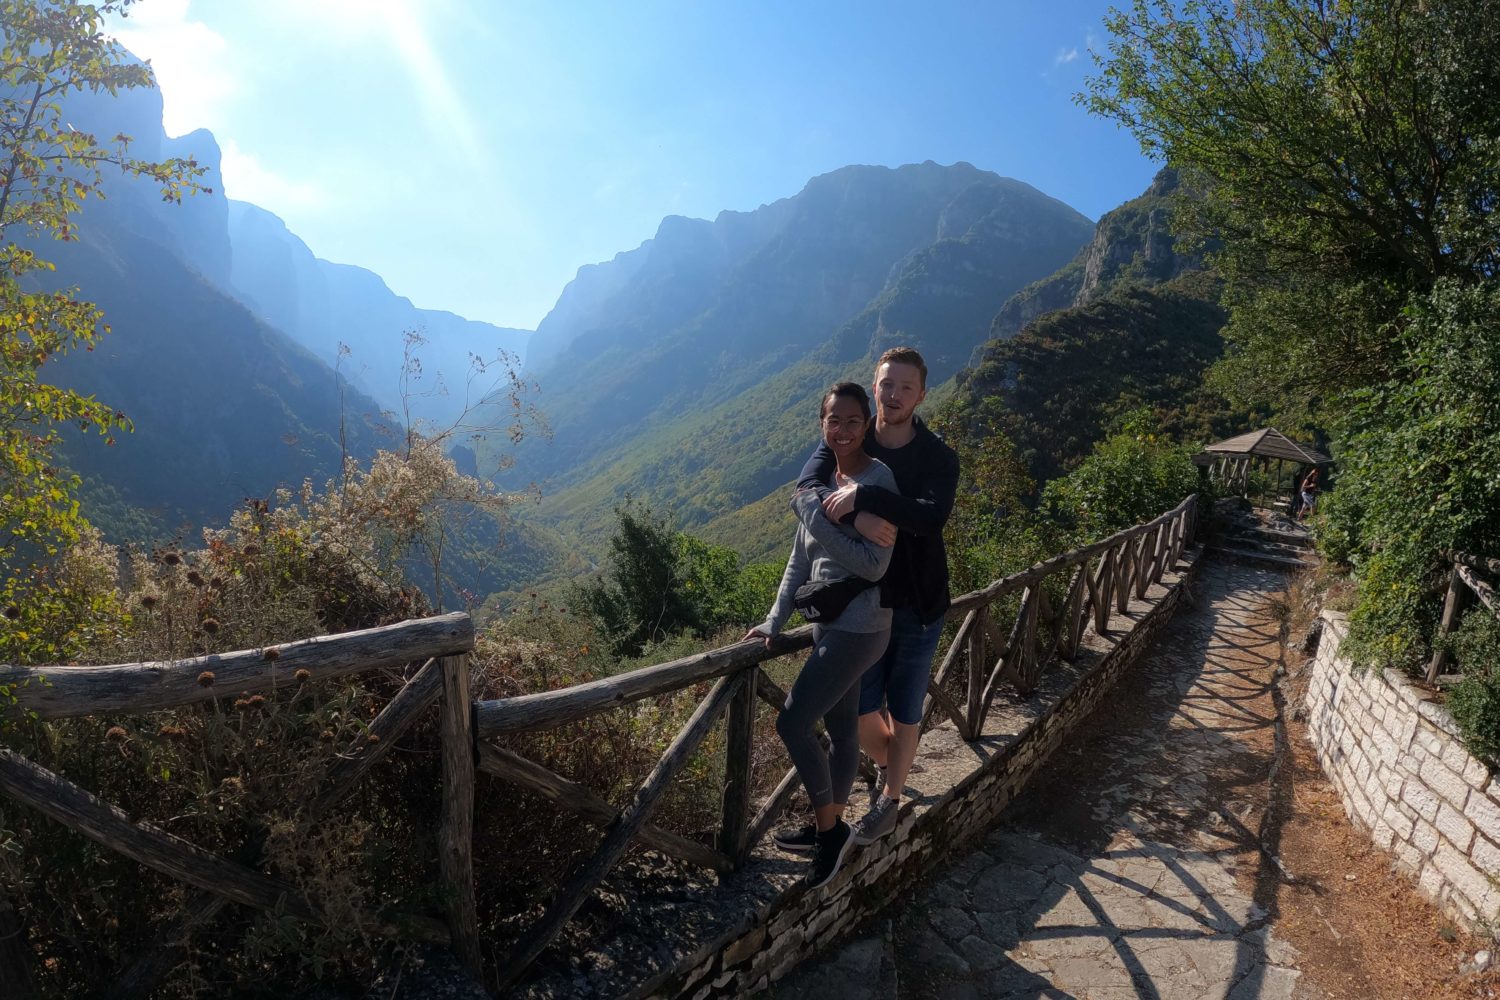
x=894 y=420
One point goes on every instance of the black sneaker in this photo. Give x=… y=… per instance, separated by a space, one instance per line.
x=796 y=840
x=833 y=847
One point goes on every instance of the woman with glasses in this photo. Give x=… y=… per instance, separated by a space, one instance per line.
x=831 y=577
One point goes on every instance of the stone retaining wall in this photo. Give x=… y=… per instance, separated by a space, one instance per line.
x=965 y=788
x=1404 y=776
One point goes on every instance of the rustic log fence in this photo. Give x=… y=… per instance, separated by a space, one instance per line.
x=438 y=646
x=1465 y=585
x=1096 y=581
x=1100 y=580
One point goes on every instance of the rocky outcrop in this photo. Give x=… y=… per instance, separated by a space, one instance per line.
x=1132 y=244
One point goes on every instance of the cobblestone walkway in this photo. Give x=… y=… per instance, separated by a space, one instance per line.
x=1141 y=866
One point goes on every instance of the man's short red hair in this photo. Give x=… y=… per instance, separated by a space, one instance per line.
x=904 y=356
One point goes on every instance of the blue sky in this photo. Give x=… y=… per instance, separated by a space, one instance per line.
x=475 y=154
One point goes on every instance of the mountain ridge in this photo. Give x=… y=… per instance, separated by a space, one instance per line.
x=717 y=411
x=789 y=279
x=322 y=305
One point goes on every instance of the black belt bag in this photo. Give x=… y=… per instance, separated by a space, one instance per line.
x=824 y=600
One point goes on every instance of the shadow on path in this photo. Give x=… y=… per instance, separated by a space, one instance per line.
x=1140 y=865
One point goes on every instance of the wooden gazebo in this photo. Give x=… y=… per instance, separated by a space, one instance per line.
x=1229 y=461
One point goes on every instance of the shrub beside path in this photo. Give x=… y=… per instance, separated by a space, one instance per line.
x=1147 y=862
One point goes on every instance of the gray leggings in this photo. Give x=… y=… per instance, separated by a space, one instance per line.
x=828 y=687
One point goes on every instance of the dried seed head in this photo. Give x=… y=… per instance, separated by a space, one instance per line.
x=271 y=653
x=256 y=701
x=172 y=732
x=217 y=583
x=252 y=550
x=210 y=625
x=116 y=733
x=206 y=679
x=303 y=675
x=149 y=601
x=171 y=559
x=326 y=736
x=12 y=612
x=372 y=738
x=195 y=578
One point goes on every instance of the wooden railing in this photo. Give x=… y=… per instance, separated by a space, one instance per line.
x=1100 y=579
x=437 y=647
x=1464 y=586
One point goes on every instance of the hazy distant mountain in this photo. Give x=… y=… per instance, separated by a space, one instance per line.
x=224 y=405
x=194 y=231
x=688 y=370
x=204 y=354
x=321 y=305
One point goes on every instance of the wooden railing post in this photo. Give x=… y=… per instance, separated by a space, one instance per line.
x=734 y=817
x=1124 y=566
x=937 y=695
x=1023 y=640
x=978 y=671
x=1101 y=591
x=1049 y=617
x=1454 y=603
x=456 y=835
x=1074 y=609
x=1145 y=552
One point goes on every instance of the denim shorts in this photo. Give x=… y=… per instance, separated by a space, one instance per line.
x=898 y=680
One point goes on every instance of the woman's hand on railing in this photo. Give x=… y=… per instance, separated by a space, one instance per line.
x=758 y=632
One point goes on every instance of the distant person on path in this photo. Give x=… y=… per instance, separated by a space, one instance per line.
x=850 y=631
x=1309 y=495
x=916 y=587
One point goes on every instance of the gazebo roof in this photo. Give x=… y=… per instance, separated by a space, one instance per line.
x=1268 y=442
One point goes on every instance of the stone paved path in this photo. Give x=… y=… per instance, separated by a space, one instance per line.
x=1135 y=868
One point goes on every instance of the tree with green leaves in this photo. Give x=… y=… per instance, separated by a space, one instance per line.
x=48 y=169
x=1347 y=154
x=645 y=599
x=663 y=583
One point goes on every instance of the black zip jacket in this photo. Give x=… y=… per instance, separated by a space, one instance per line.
x=927 y=473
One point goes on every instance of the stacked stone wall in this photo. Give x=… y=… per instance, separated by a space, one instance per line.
x=773 y=939
x=1404 y=776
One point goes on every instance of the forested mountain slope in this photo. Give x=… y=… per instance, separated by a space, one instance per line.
x=690 y=368
x=1128 y=323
